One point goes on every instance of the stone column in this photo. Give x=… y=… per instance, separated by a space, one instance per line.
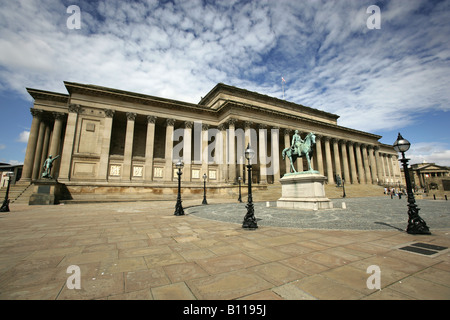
x=362 y=177
x=55 y=144
x=385 y=168
x=366 y=164
x=328 y=160
x=56 y=135
x=231 y=151
x=373 y=165
x=205 y=152
x=351 y=152
x=319 y=154
x=45 y=151
x=346 y=176
x=31 y=146
x=391 y=169
x=397 y=167
x=128 y=152
x=421 y=180
x=379 y=165
x=222 y=148
x=337 y=158
x=287 y=144
x=248 y=135
x=168 y=167
x=248 y=140
x=149 y=146
x=262 y=130
x=187 y=151
x=38 y=153
x=275 y=165
x=69 y=138
x=106 y=143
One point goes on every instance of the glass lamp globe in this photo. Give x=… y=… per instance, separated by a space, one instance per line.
x=249 y=153
x=401 y=144
x=179 y=164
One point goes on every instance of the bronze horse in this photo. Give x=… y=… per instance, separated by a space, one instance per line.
x=306 y=148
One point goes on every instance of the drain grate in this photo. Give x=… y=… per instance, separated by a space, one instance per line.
x=423 y=248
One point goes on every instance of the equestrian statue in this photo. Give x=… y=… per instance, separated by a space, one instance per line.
x=300 y=148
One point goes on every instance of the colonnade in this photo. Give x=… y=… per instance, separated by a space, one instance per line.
x=44 y=139
x=221 y=157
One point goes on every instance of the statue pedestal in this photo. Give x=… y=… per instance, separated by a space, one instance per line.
x=304 y=190
x=46 y=192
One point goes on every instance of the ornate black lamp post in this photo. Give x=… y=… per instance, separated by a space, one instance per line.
x=5 y=205
x=249 y=219
x=178 y=207
x=204 y=189
x=240 y=196
x=416 y=225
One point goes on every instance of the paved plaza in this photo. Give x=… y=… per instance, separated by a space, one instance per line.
x=140 y=250
x=371 y=213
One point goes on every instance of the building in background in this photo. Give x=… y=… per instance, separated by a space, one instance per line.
x=6 y=167
x=119 y=141
x=430 y=177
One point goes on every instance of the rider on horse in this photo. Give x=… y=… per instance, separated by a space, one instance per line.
x=300 y=148
x=296 y=141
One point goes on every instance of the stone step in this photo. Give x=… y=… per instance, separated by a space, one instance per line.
x=17 y=193
x=273 y=192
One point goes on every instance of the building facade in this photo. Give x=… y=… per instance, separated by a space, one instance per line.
x=114 y=138
x=430 y=177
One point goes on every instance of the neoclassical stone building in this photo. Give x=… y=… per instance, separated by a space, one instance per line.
x=111 y=139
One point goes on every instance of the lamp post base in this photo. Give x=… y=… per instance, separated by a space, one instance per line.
x=5 y=206
x=416 y=225
x=249 y=219
x=179 y=211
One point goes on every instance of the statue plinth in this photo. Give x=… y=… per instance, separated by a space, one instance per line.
x=304 y=190
x=46 y=192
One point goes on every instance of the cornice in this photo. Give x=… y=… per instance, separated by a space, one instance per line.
x=37 y=94
x=224 y=88
x=133 y=97
x=229 y=106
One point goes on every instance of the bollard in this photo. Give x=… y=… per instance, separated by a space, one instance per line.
x=434 y=197
x=445 y=197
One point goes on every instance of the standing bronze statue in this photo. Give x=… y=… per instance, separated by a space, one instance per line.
x=300 y=148
x=48 y=164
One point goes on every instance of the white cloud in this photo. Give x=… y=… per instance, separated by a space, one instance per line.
x=23 y=136
x=373 y=79
x=15 y=162
x=430 y=152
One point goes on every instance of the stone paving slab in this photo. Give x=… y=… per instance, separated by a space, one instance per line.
x=140 y=250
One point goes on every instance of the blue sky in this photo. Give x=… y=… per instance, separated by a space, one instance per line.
x=384 y=81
